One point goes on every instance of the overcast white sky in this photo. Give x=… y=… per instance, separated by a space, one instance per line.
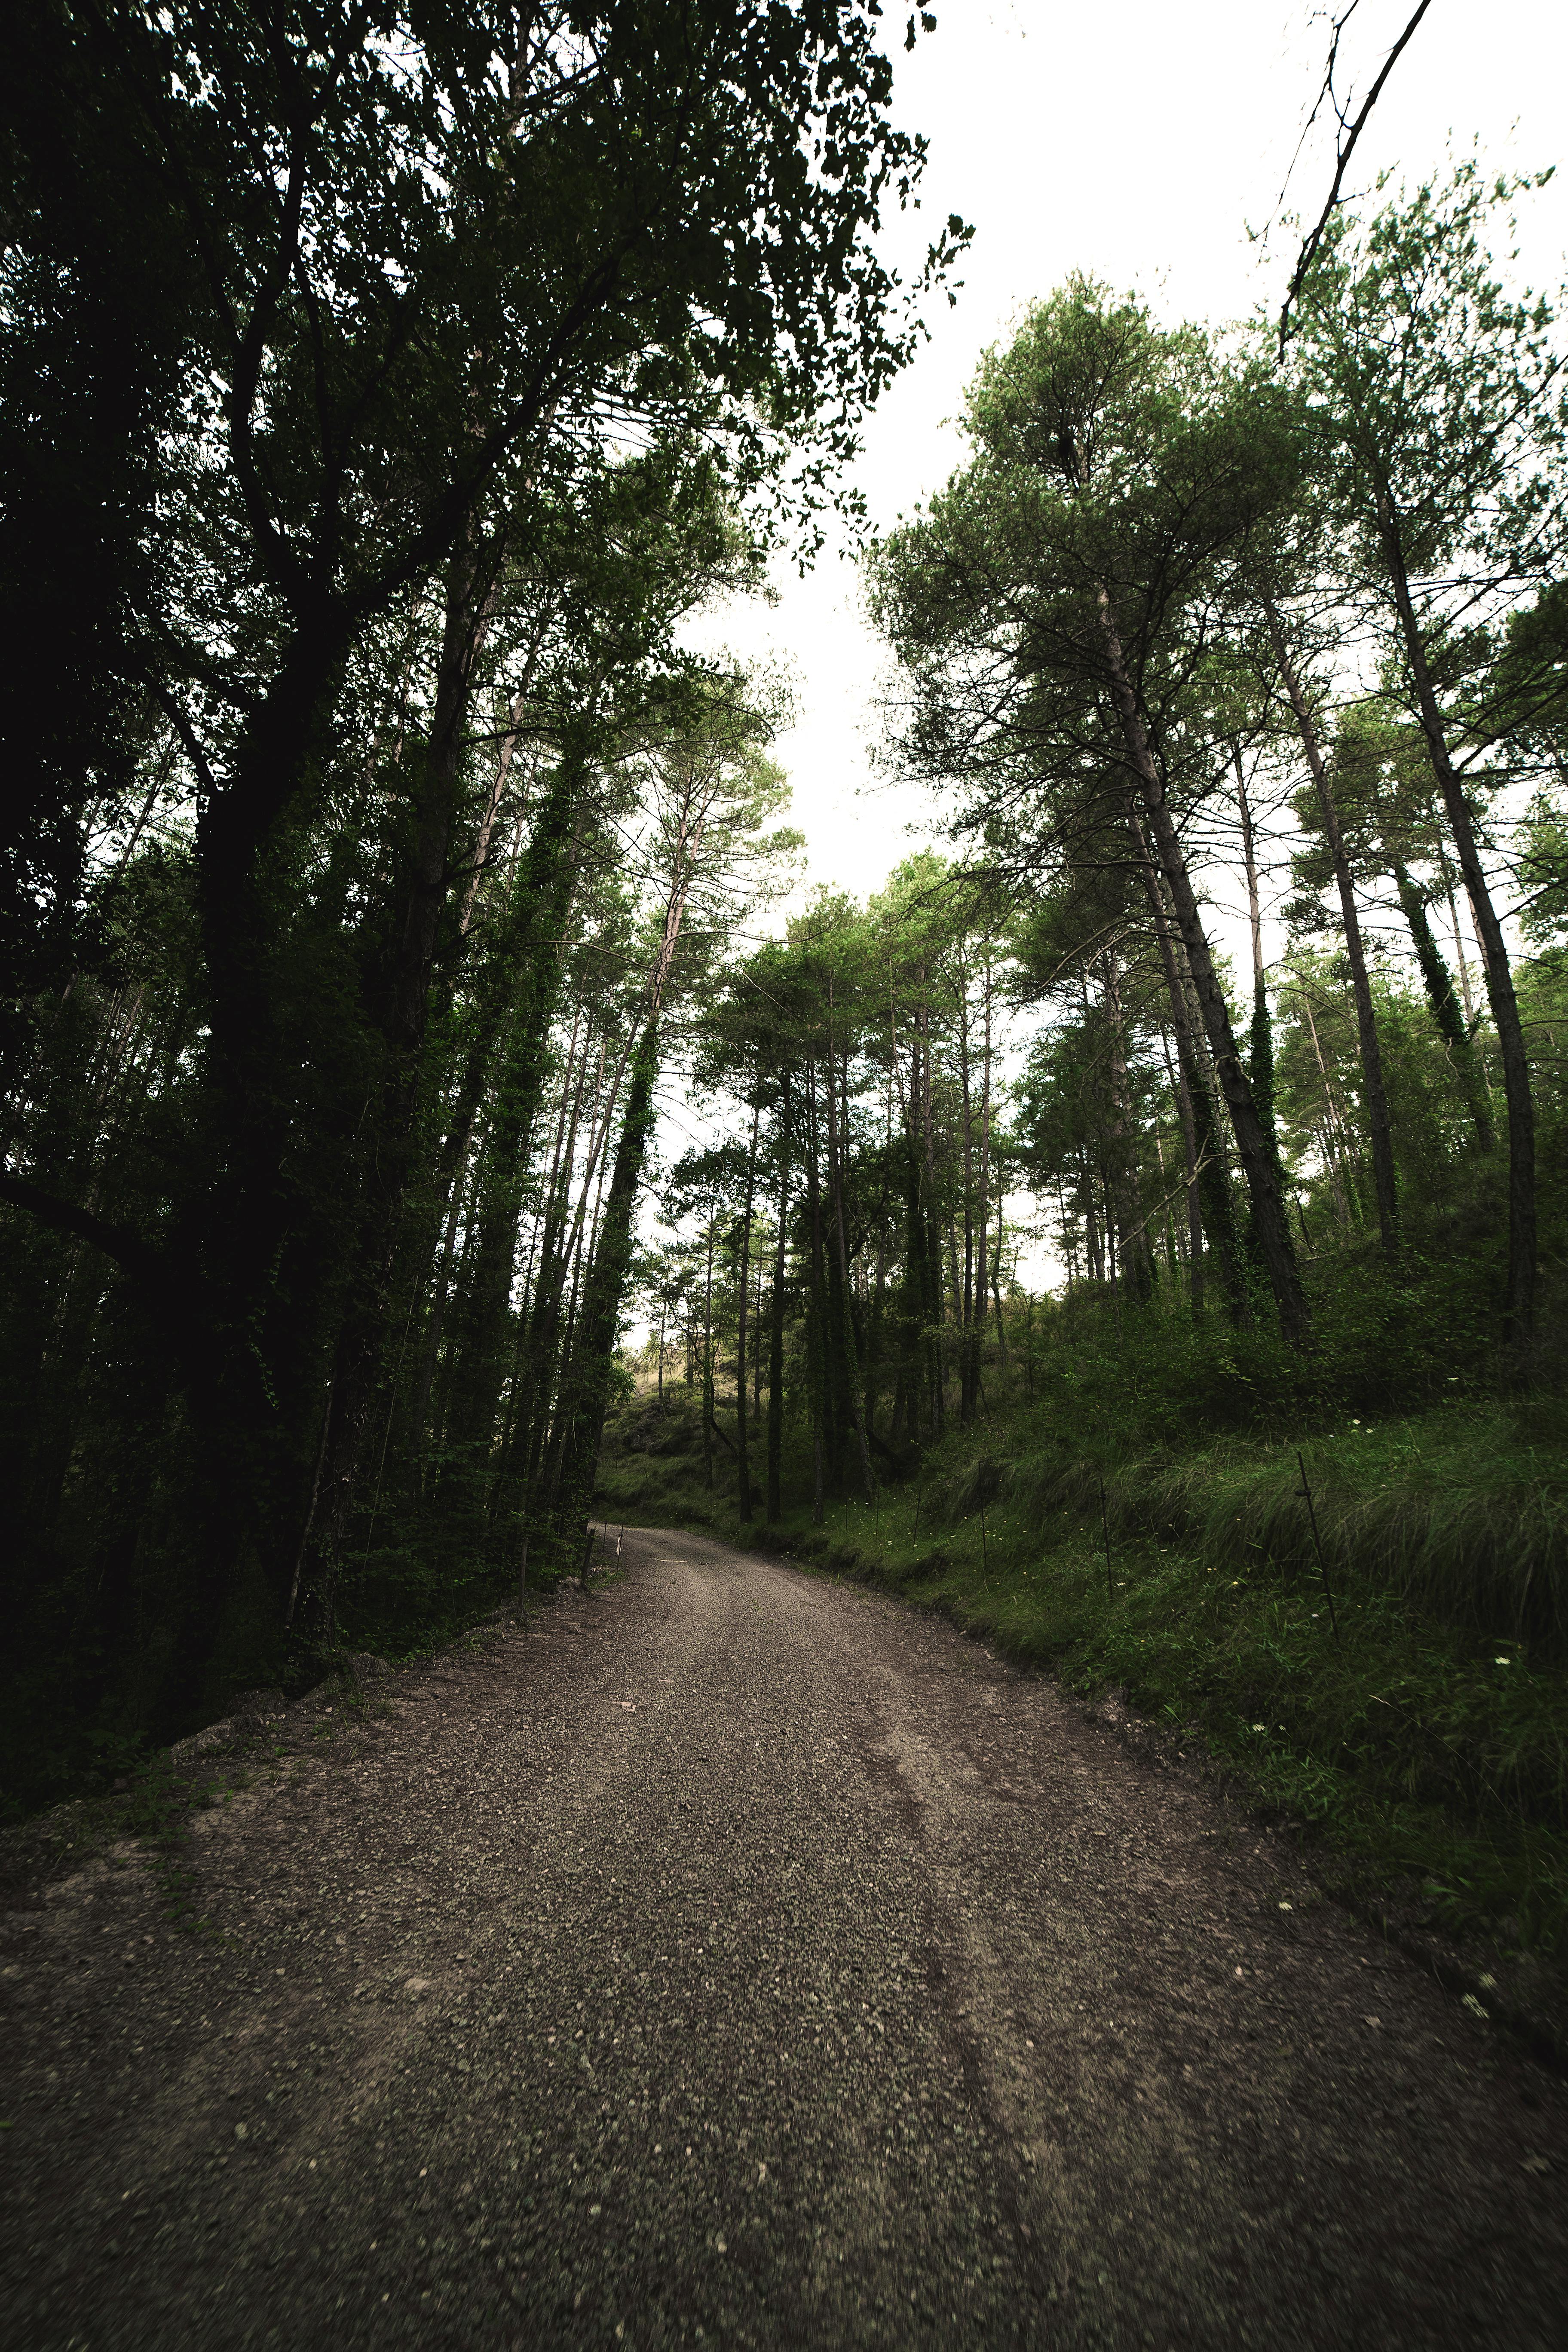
x=1138 y=144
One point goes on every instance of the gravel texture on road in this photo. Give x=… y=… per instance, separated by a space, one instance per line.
x=734 y=1957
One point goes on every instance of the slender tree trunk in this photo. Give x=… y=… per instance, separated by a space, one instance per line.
x=1439 y=986
x=1092 y=1250
x=965 y=1291
x=934 y=1300
x=1205 y=1166
x=708 y=1365
x=1260 y=1042
x=1521 y=1237
x=471 y=578
x=776 y=1333
x=817 y=1321
x=1385 y=1184
x=1132 y=1245
x=1461 y=960
x=1259 y=1164
x=593 y=1355
x=1184 y=1101
x=430 y=1345
x=985 y=1176
x=742 y=1463
x=542 y=890
x=1331 y=1158
x=835 y=1179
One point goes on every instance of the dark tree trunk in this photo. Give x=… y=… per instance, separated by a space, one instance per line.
x=532 y=954
x=470 y=581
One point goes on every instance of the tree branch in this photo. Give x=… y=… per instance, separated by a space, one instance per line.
x=127 y=1250
x=176 y=715
x=1310 y=249
x=166 y=1298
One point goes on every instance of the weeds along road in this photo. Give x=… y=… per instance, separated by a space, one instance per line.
x=736 y=1959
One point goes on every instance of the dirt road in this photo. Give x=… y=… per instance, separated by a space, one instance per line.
x=736 y=1959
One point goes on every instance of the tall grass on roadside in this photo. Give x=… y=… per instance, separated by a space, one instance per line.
x=1462 y=1512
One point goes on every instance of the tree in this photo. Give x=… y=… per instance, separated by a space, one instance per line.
x=710 y=793
x=1435 y=404
x=410 y=289
x=1053 y=612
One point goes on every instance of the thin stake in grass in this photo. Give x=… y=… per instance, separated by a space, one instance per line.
x=1105 y=1531
x=1305 y=1492
x=984 y=1558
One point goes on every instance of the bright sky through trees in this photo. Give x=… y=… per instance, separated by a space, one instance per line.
x=1140 y=146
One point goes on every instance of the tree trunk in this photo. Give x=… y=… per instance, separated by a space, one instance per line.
x=983 y=1283
x=742 y=1463
x=1184 y=1101
x=851 y=1366
x=965 y=1291
x=470 y=581
x=1205 y=1166
x=932 y=1259
x=708 y=1366
x=1522 y=1237
x=1261 y=1040
x=542 y=897
x=1132 y=1245
x=776 y=1333
x=1333 y=1155
x=817 y=1311
x=593 y=1355
x=1383 y=1172
x=1446 y=1010
x=1258 y=1161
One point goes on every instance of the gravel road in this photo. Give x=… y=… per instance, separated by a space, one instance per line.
x=738 y=1959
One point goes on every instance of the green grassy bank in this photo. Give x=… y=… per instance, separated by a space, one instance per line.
x=1404 y=1695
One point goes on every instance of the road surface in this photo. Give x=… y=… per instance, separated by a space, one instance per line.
x=738 y=1959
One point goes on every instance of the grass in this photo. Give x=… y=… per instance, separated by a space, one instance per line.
x=1419 y=1727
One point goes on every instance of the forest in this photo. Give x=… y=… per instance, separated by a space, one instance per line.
x=382 y=398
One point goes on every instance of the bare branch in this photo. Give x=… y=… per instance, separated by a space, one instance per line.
x=1346 y=148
